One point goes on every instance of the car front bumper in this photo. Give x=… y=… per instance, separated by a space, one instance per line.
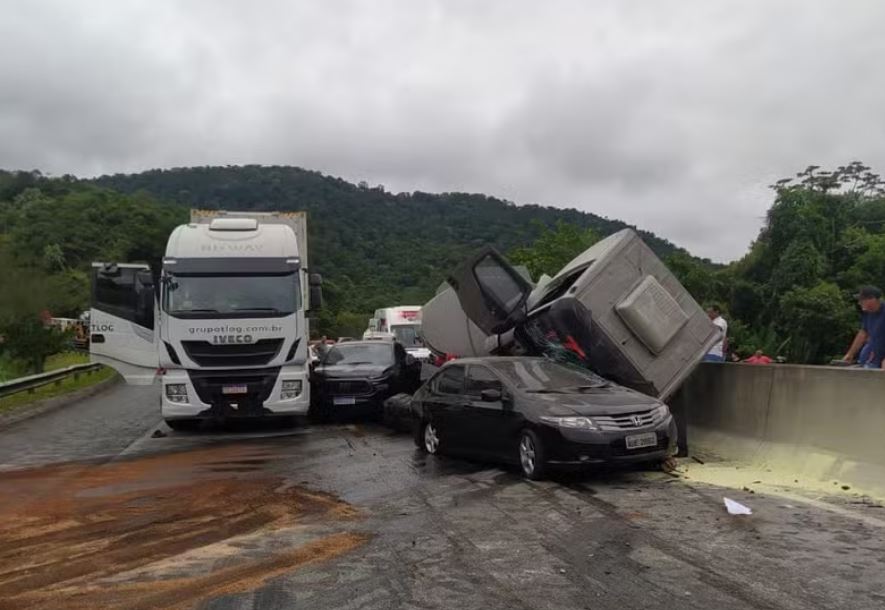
x=331 y=394
x=571 y=447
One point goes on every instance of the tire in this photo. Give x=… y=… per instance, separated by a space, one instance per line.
x=184 y=425
x=428 y=439
x=532 y=455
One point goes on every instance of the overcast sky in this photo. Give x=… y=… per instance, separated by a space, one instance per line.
x=670 y=115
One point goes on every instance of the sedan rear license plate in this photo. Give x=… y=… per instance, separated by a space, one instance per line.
x=638 y=441
x=234 y=389
x=344 y=400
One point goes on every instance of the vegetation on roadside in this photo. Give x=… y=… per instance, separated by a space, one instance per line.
x=791 y=294
x=65 y=386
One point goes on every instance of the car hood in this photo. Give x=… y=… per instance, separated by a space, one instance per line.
x=609 y=400
x=332 y=371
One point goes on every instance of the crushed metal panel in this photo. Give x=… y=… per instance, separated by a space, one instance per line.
x=652 y=314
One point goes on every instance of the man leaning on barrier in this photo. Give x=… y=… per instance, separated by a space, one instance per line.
x=872 y=330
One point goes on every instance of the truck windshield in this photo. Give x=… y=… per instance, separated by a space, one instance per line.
x=213 y=296
x=407 y=335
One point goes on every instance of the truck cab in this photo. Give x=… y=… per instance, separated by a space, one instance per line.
x=220 y=326
x=402 y=323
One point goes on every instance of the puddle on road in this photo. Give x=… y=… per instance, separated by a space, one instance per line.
x=163 y=531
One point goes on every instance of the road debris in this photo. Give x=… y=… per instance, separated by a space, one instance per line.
x=736 y=508
x=170 y=531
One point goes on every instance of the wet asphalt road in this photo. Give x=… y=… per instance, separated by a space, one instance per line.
x=446 y=533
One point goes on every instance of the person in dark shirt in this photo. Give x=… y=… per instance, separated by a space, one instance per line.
x=872 y=329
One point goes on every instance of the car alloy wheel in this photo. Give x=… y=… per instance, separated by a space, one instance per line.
x=431 y=438
x=527 y=455
x=532 y=455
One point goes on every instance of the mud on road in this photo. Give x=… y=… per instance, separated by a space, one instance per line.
x=165 y=531
x=353 y=517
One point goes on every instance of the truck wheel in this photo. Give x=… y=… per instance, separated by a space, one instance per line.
x=532 y=456
x=184 y=425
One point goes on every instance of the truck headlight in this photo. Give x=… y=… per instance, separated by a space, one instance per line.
x=176 y=392
x=291 y=389
x=575 y=423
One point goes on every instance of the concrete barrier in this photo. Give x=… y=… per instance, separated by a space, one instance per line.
x=826 y=423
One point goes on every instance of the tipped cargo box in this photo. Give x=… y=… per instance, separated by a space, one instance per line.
x=616 y=308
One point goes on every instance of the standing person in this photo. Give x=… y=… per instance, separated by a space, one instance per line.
x=718 y=351
x=872 y=329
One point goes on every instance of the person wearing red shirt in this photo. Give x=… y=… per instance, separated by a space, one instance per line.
x=758 y=358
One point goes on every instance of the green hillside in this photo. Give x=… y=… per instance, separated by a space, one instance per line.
x=374 y=248
x=791 y=294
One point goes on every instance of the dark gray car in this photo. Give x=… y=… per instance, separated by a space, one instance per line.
x=538 y=413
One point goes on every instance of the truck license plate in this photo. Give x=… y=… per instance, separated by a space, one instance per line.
x=344 y=400
x=638 y=441
x=234 y=389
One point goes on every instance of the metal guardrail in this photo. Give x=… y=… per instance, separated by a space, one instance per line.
x=32 y=382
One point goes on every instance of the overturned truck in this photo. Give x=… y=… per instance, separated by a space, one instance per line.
x=615 y=309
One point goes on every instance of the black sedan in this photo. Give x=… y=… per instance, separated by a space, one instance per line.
x=537 y=413
x=362 y=374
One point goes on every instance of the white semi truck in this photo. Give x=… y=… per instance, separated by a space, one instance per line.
x=221 y=325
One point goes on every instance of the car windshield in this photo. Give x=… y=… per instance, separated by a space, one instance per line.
x=360 y=353
x=227 y=295
x=538 y=375
x=407 y=335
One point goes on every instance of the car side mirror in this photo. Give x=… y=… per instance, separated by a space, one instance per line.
x=491 y=395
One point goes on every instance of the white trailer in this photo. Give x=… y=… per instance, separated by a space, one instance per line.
x=221 y=325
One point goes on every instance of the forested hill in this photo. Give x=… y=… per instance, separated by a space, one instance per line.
x=377 y=247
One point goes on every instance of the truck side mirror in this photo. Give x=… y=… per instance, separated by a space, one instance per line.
x=315 y=291
x=316 y=297
x=145 y=278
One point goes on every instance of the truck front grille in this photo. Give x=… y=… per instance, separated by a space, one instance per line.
x=208 y=354
x=209 y=385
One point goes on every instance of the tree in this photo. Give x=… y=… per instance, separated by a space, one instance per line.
x=53 y=257
x=28 y=340
x=554 y=248
x=698 y=277
x=818 y=321
x=800 y=265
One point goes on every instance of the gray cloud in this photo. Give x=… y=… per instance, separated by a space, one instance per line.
x=673 y=117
